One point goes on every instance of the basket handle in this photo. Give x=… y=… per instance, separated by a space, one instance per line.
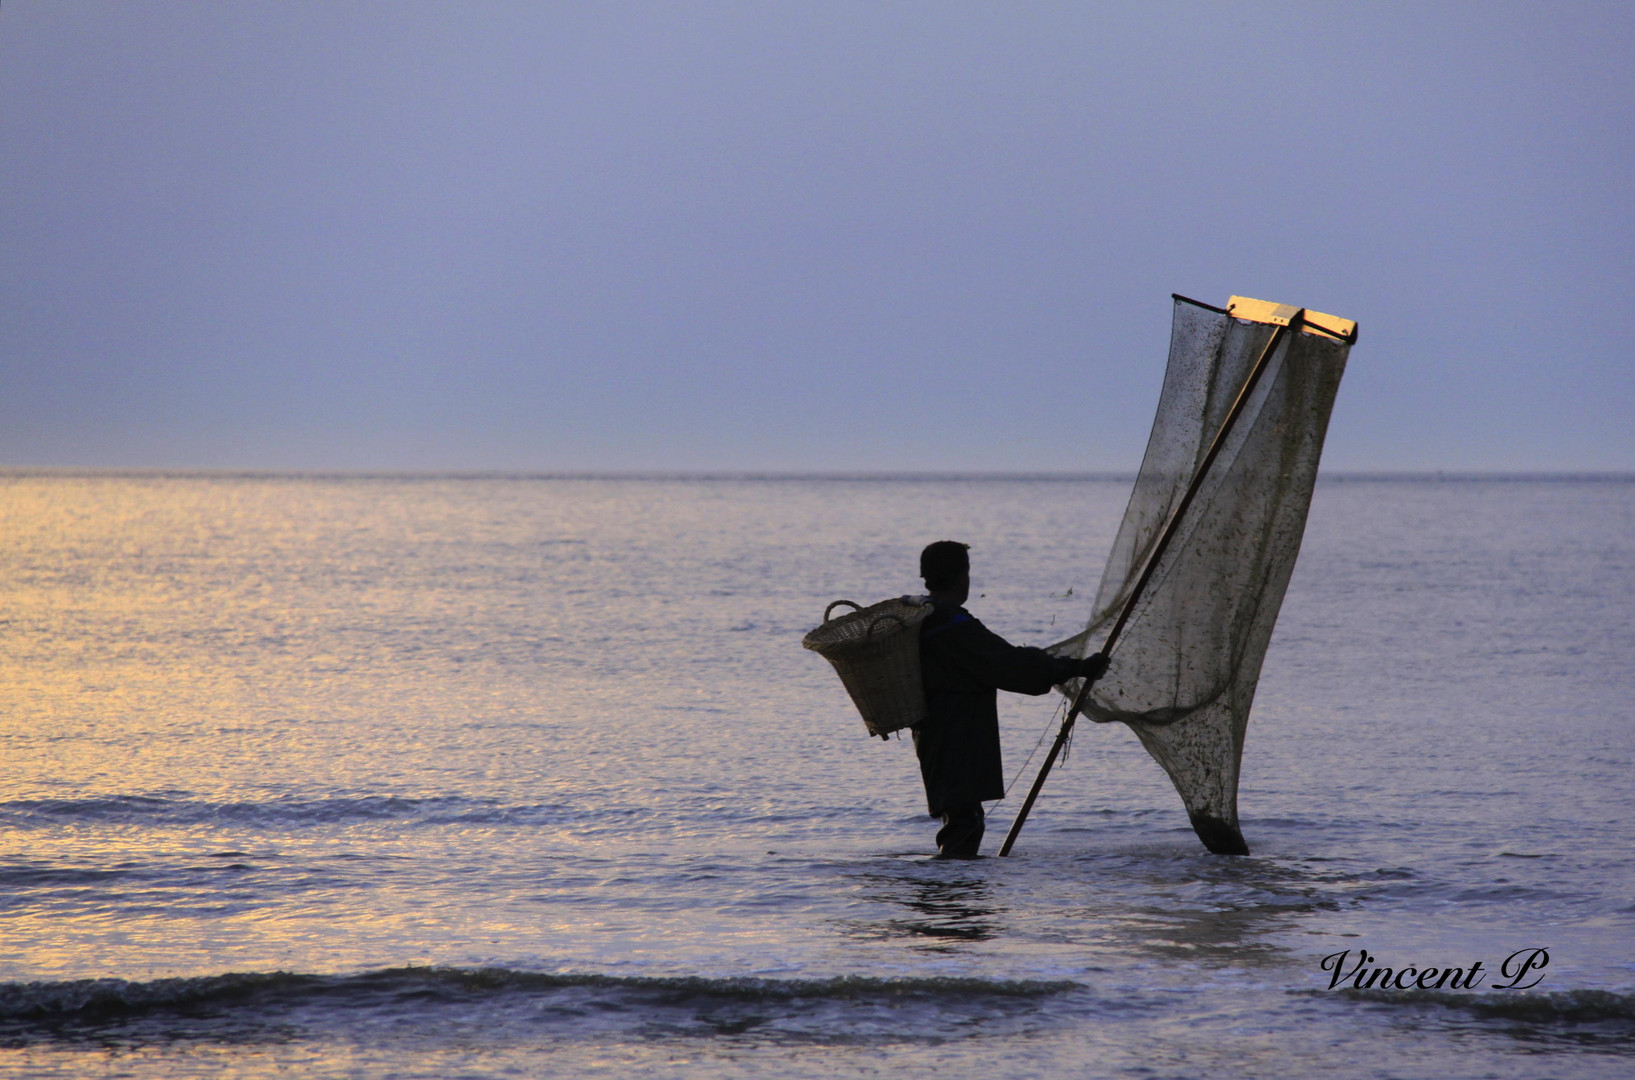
x=878 y=619
x=854 y=605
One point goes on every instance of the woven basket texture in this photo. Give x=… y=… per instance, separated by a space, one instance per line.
x=876 y=652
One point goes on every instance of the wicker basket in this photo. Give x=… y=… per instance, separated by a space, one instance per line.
x=876 y=652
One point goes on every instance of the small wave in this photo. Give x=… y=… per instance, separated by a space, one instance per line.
x=255 y=1005
x=1560 y=1006
x=87 y=997
x=294 y=813
x=1580 y=1019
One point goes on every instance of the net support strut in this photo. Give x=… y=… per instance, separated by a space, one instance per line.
x=1170 y=529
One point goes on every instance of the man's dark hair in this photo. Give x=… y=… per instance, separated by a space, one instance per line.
x=942 y=563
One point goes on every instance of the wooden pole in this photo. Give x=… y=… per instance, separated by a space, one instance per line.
x=1170 y=529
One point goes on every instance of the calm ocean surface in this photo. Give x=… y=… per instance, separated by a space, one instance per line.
x=431 y=777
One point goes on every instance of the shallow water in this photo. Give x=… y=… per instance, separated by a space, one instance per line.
x=523 y=776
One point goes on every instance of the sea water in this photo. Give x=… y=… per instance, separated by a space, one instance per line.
x=530 y=776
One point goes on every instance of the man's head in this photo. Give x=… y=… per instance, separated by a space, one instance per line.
x=945 y=566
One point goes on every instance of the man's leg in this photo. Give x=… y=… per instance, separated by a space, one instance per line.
x=961 y=832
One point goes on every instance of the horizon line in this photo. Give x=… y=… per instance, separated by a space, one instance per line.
x=682 y=475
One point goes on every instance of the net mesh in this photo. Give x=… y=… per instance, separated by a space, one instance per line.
x=1184 y=670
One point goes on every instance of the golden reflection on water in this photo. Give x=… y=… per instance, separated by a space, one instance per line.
x=199 y=635
x=227 y=641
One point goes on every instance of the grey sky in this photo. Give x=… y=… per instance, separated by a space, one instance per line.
x=770 y=236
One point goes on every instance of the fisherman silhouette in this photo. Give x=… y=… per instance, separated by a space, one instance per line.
x=963 y=664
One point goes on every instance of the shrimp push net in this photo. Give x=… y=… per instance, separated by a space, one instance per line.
x=1184 y=668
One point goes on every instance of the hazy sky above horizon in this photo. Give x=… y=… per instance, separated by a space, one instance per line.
x=825 y=236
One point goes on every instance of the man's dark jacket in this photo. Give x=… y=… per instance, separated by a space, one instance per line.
x=962 y=664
